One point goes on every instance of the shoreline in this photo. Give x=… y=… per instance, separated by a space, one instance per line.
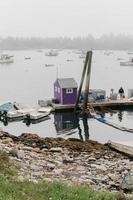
x=71 y=161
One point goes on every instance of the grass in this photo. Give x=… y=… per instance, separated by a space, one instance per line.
x=11 y=189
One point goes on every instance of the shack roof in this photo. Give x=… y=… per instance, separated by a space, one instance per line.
x=67 y=83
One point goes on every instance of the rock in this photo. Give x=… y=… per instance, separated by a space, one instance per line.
x=57 y=171
x=7 y=141
x=67 y=160
x=20 y=178
x=44 y=150
x=127 y=182
x=37 y=150
x=36 y=168
x=27 y=148
x=101 y=168
x=14 y=152
x=57 y=149
x=114 y=177
x=50 y=166
x=91 y=159
x=17 y=153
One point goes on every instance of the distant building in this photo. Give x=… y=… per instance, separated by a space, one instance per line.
x=65 y=90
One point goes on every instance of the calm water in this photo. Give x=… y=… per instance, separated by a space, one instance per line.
x=27 y=81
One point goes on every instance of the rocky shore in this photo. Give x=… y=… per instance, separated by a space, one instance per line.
x=67 y=160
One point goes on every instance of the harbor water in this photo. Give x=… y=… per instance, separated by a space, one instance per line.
x=28 y=80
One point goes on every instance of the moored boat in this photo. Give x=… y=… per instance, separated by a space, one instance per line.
x=52 y=53
x=13 y=115
x=4 y=58
x=5 y=106
x=127 y=63
x=35 y=115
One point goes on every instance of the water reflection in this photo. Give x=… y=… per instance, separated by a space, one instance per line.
x=120 y=115
x=69 y=124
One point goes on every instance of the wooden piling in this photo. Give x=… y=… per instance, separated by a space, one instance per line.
x=87 y=82
x=82 y=80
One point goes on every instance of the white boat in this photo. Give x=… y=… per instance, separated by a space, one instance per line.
x=130 y=52
x=52 y=53
x=32 y=113
x=82 y=56
x=69 y=60
x=49 y=65
x=4 y=58
x=14 y=115
x=127 y=63
x=35 y=115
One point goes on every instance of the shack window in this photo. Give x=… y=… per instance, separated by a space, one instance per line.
x=58 y=90
x=69 y=91
x=55 y=88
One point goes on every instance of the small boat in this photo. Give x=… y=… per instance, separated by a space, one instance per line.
x=35 y=115
x=69 y=60
x=130 y=53
x=27 y=58
x=108 y=53
x=4 y=58
x=127 y=63
x=82 y=56
x=13 y=115
x=52 y=53
x=40 y=50
x=119 y=58
x=49 y=65
x=32 y=113
x=6 y=106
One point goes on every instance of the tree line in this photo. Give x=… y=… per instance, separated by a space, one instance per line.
x=112 y=42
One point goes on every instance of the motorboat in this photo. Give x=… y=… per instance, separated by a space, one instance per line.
x=127 y=63
x=4 y=58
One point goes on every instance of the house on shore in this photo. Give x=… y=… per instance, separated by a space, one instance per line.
x=65 y=90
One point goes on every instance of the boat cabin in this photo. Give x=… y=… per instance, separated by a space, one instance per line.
x=65 y=90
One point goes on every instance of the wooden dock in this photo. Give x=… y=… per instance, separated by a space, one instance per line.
x=60 y=107
x=121 y=104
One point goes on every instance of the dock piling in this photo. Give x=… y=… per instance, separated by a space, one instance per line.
x=86 y=69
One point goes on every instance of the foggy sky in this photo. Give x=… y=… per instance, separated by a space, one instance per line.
x=53 y=18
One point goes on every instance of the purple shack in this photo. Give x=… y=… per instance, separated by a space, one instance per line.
x=65 y=90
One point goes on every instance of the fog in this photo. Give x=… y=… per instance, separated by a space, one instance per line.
x=72 y=18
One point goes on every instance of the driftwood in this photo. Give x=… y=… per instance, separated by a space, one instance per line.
x=128 y=150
